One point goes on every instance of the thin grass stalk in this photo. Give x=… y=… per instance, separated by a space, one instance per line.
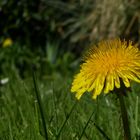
x=86 y=126
x=10 y=131
x=124 y=115
x=67 y=117
x=42 y=113
x=55 y=109
x=136 y=112
x=101 y=131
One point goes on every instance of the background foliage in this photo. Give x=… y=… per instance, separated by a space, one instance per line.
x=54 y=28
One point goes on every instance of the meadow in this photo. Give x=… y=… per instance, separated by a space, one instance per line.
x=65 y=117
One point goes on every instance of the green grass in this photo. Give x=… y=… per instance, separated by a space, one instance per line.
x=66 y=118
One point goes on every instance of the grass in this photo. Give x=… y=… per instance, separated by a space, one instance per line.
x=66 y=118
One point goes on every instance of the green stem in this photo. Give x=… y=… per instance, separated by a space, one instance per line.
x=124 y=115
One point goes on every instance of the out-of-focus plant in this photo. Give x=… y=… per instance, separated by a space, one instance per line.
x=57 y=60
x=23 y=21
x=73 y=23
x=33 y=22
x=17 y=57
x=7 y=42
x=46 y=62
x=99 y=20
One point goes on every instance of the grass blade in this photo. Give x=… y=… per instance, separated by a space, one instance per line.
x=55 y=109
x=40 y=106
x=10 y=131
x=101 y=131
x=136 y=113
x=86 y=126
x=67 y=117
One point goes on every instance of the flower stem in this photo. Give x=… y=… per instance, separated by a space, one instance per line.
x=124 y=115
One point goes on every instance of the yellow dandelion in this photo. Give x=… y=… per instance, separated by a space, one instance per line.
x=105 y=65
x=7 y=42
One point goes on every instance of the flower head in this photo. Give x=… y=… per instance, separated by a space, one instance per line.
x=7 y=42
x=105 y=65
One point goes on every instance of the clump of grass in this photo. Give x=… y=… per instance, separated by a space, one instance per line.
x=21 y=119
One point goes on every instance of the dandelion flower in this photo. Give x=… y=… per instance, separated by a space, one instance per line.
x=7 y=42
x=105 y=65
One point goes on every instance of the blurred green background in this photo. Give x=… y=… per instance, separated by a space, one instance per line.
x=52 y=34
x=49 y=37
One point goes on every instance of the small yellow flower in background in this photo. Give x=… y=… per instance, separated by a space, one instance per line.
x=7 y=42
x=105 y=65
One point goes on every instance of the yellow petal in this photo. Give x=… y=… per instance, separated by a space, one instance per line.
x=99 y=85
x=109 y=83
x=126 y=81
x=80 y=93
x=117 y=82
